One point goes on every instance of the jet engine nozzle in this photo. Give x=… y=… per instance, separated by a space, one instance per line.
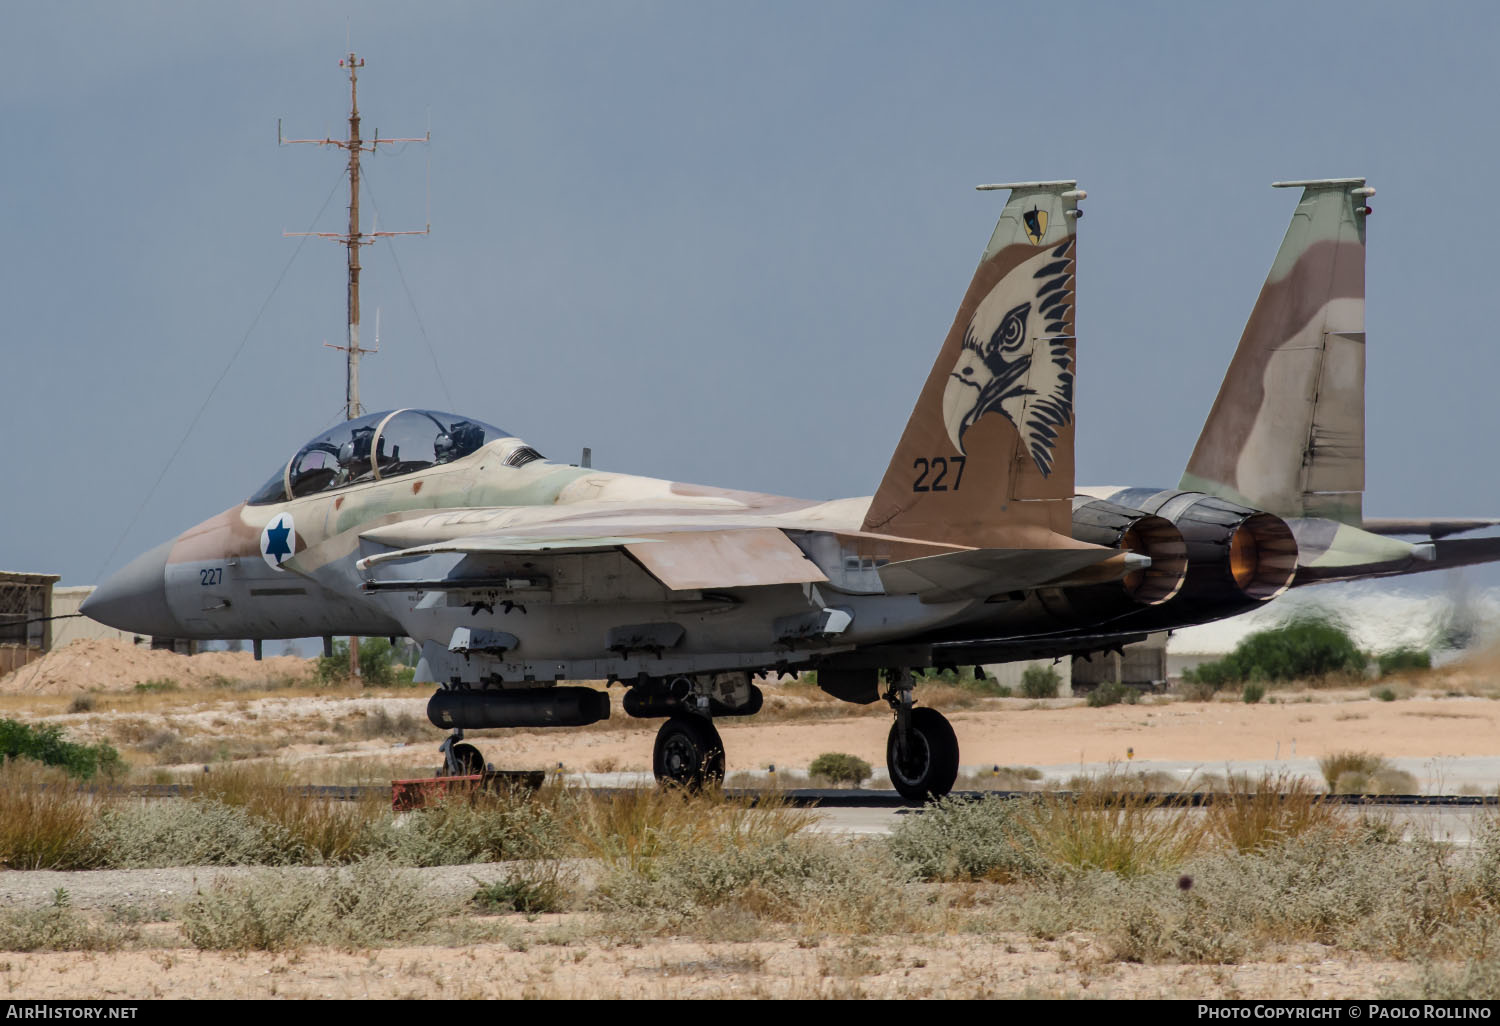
x=1262 y=556
x=1235 y=554
x=1132 y=531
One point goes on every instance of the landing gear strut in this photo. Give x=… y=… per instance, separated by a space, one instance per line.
x=922 y=750
x=460 y=759
x=689 y=752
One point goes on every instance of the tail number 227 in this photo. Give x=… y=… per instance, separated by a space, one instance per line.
x=939 y=466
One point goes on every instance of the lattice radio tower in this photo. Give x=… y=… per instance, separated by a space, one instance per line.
x=353 y=239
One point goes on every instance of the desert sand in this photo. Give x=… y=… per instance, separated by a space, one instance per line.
x=1443 y=720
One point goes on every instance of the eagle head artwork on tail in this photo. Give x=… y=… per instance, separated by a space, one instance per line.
x=999 y=372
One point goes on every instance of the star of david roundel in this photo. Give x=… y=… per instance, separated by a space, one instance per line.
x=278 y=540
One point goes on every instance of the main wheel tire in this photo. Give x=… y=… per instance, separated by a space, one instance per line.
x=465 y=760
x=931 y=765
x=689 y=752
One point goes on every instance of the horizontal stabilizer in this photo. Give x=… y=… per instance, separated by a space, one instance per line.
x=980 y=573
x=1454 y=552
x=1432 y=527
x=1446 y=554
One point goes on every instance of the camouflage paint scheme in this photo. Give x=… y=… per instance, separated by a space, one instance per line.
x=589 y=574
x=515 y=572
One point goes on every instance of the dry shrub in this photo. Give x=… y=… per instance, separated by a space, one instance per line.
x=192 y=832
x=530 y=887
x=379 y=723
x=1249 y=815
x=811 y=881
x=1356 y=889
x=1353 y=888
x=1337 y=764
x=372 y=901
x=1387 y=780
x=1160 y=926
x=1117 y=778
x=58 y=927
x=947 y=696
x=45 y=822
x=673 y=862
x=487 y=826
x=310 y=827
x=1123 y=832
x=1364 y=773
x=958 y=839
x=1001 y=778
x=1194 y=691
x=633 y=826
x=1477 y=979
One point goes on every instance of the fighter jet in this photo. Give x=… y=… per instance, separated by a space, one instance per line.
x=516 y=573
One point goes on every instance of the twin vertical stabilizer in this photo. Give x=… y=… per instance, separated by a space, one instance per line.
x=1287 y=431
x=988 y=449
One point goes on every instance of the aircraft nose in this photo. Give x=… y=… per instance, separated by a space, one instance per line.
x=135 y=598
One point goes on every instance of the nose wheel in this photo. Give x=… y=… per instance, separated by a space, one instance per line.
x=689 y=753
x=460 y=759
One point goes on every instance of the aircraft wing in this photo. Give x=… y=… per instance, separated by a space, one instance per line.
x=681 y=561
x=743 y=557
x=1432 y=527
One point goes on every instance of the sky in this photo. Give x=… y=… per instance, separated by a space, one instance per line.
x=716 y=242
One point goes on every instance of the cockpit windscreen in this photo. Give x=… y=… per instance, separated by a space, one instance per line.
x=375 y=447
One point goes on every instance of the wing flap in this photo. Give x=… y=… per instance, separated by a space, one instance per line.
x=725 y=559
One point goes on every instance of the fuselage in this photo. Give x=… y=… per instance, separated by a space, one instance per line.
x=225 y=578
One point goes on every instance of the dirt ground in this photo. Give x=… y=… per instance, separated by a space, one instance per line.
x=117 y=666
x=550 y=965
x=1015 y=732
x=1438 y=717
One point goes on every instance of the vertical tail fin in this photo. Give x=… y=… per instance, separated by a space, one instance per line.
x=1287 y=431
x=989 y=446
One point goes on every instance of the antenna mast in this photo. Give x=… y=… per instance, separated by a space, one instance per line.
x=354 y=238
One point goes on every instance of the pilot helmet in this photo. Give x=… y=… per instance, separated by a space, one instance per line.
x=357 y=447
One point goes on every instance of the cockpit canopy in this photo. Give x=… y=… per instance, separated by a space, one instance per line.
x=375 y=447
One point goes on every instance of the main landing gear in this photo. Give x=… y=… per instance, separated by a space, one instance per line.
x=689 y=752
x=922 y=750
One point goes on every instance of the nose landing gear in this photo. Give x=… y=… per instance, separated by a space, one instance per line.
x=460 y=759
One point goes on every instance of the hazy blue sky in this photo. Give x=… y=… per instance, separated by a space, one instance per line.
x=718 y=242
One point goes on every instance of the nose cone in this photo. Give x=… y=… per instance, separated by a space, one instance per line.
x=135 y=599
